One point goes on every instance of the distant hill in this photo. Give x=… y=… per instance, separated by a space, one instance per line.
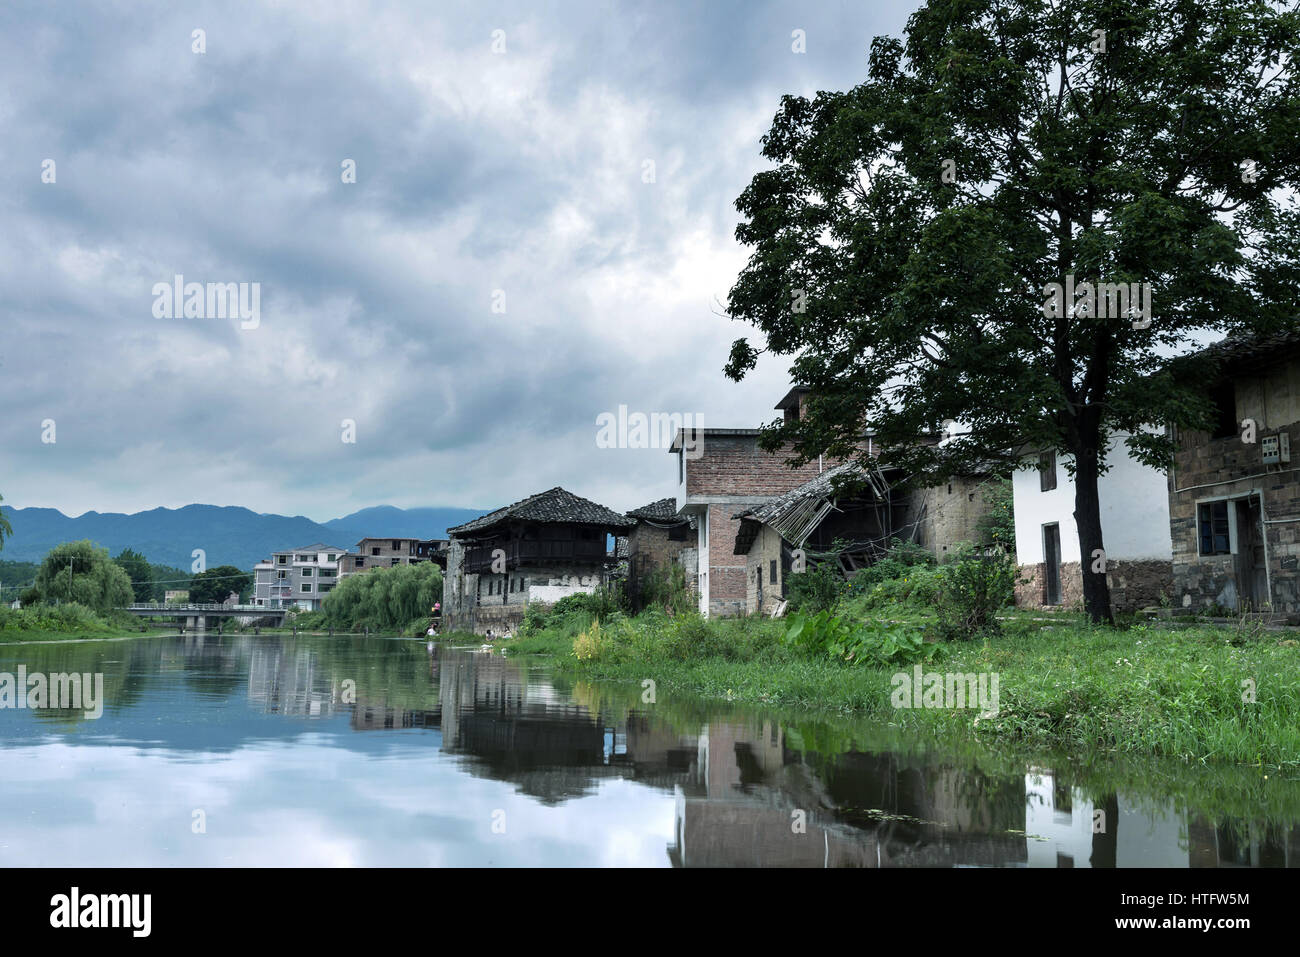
x=230 y=535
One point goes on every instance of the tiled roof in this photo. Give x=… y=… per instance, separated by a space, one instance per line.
x=553 y=505
x=664 y=510
x=1244 y=349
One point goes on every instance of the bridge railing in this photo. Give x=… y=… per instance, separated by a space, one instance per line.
x=205 y=606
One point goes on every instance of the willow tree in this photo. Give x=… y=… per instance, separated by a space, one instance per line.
x=952 y=239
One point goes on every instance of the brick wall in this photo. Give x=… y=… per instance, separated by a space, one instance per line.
x=735 y=466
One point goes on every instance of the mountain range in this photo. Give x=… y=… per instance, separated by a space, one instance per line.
x=229 y=535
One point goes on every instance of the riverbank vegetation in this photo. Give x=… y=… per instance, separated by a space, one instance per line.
x=397 y=600
x=1197 y=693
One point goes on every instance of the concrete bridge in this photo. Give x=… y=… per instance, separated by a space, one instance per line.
x=197 y=616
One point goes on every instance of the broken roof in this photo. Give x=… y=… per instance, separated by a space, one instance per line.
x=797 y=512
x=1243 y=350
x=553 y=505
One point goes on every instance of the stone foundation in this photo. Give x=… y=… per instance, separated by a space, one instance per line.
x=1133 y=585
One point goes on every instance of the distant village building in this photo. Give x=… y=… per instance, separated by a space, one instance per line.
x=1234 y=503
x=539 y=549
x=390 y=552
x=660 y=539
x=1134 y=501
x=297 y=578
x=176 y=596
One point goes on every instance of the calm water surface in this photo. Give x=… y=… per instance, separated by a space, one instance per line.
x=348 y=751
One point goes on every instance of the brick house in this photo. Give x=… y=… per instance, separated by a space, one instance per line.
x=1234 y=504
x=659 y=539
x=539 y=549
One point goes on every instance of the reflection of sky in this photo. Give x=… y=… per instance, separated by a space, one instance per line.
x=305 y=801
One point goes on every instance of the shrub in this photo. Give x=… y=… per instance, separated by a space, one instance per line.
x=816 y=589
x=972 y=590
x=875 y=642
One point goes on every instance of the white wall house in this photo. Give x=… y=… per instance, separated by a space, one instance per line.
x=1134 y=501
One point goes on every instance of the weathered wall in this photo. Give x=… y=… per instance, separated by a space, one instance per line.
x=949 y=514
x=765 y=550
x=1214 y=469
x=1134 y=501
x=1134 y=585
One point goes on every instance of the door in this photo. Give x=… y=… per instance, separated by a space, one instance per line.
x=1051 y=564
x=1252 y=574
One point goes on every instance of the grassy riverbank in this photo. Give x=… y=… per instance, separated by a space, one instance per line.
x=1063 y=684
x=66 y=622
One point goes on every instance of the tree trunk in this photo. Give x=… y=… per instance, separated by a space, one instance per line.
x=1087 y=517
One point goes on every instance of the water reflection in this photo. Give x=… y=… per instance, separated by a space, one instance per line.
x=278 y=740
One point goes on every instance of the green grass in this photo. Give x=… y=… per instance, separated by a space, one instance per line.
x=1064 y=685
x=67 y=622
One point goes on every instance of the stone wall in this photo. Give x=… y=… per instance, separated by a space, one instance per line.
x=1213 y=469
x=949 y=514
x=1134 y=585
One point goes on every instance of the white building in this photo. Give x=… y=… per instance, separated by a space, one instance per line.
x=1134 y=501
x=298 y=578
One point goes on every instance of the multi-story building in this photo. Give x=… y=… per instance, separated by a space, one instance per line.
x=298 y=578
x=390 y=552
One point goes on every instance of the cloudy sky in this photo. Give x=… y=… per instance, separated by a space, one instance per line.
x=514 y=176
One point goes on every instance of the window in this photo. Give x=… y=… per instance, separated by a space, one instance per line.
x=306 y=586
x=306 y=573
x=396 y=562
x=396 y=545
x=771 y=572
x=1212 y=520
x=332 y=557
x=1224 y=397
x=374 y=550
x=361 y=561
x=678 y=532
x=1047 y=471
x=282 y=559
x=681 y=467
x=282 y=574
x=512 y=586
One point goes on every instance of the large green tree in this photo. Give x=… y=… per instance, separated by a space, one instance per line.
x=215 y=584
x=905 y=241
x=83 y=572
x=138 y=570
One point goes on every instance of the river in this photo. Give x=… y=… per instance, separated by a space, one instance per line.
x=347 y=751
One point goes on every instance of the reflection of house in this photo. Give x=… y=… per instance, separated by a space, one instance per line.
x=539 y=549
x=1134 y=501
x=660 y=539
x=1234 y=504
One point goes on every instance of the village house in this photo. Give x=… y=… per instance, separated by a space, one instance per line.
x=1234 y=492
x=660 y=539
x=755 y=510
x=297 y=578
x=1134 y=502
x=539 y=549
x=391 y=552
